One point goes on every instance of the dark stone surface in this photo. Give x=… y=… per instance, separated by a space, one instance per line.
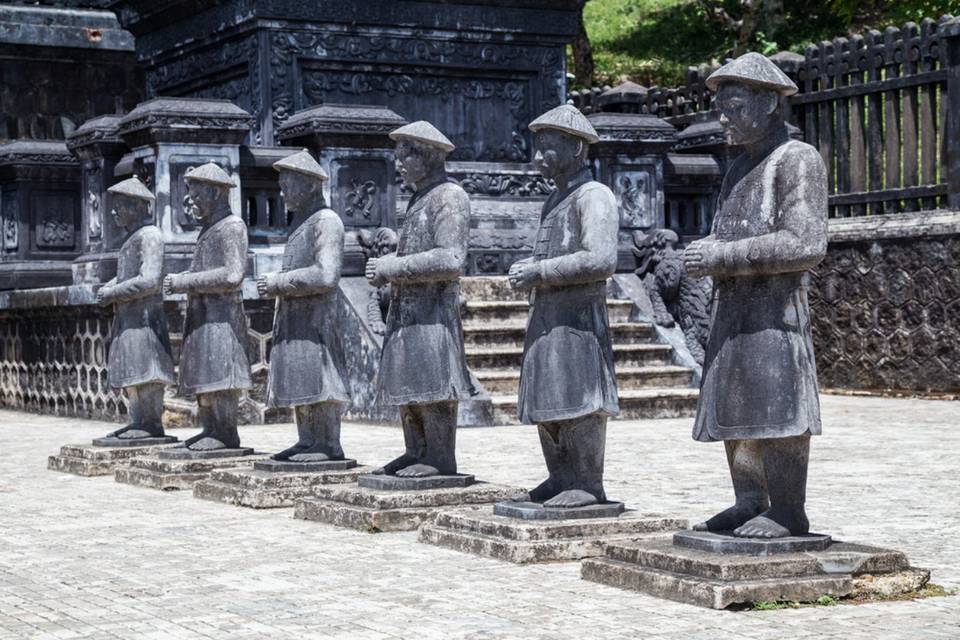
x=536 y=511
x=726 y=543
x=287 y=466
x=182 y=453
x=133 y=442
x=393 y=483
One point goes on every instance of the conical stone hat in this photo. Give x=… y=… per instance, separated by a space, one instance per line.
x=568 y=119
x=302 y=162
x=755 y=70
x=423 y=132
x=210 y=173
x=133 y=188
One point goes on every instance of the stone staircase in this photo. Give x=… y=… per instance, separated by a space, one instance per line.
x=494 y=324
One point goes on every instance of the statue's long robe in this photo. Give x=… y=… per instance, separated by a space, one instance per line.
x=759 y=376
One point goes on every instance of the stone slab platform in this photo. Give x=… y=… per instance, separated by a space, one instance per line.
x=694 y=576
x=376 y=510
x=89 y=460
x=482 y=532
x=133 y=442
x=263 y=489
x=154 y=472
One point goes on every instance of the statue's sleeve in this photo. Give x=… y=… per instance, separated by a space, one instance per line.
x=324 y=274
x=800 y=241
x=229 y=277
x=597 y=257
x=447 y=259
x=149 y=281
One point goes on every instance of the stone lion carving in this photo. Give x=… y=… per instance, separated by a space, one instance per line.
x=377 y=244
x=677 y=297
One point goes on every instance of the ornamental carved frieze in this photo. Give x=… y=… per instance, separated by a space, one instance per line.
x=11 y=224
x=361 y=199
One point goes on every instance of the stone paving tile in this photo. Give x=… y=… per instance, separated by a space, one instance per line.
x=89 y=558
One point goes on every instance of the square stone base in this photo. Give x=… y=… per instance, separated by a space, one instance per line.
x=262 y=489
x=375 y=510
x=719 y=580
x=156 y=472
x=482 y=532
x=89 y=460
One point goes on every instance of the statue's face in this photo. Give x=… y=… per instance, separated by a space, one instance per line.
x=206 y=197
x=746 y=112
x=297 y=189
x=127 y=211
x=417 y=161
x=556 y=153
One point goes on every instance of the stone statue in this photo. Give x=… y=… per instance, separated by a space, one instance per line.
x=423 y=368
x=306 y=360
x=676 y=296
x=376 y=245
x=140 y=362
x=759 y=392
x=567 y=381
x=213 y=361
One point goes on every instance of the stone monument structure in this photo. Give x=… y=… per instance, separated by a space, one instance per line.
x=306 y=362
x=759 y=392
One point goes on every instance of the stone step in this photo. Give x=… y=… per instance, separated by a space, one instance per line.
x=487 y=312
x=512 y=335
x=634 y=404
x=624 y=355
x=505 y=382
x=490 y=288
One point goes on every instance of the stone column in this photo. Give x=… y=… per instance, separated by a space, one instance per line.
x=39 y=214
x=352 y=145
x=98 y=148
x=168 y=136
x=630 y=159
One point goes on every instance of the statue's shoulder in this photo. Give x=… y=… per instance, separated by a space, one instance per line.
x=451 y=193
x=328 y=219
x=596 y=192
x=797 y=152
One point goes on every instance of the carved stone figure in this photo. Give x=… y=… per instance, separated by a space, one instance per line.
x=677 y=297
x=567 y=382
x=376 y=245
x=140 y=361
x=423 y=368
x=759 y=392
x=213 y=361
x=306 y=360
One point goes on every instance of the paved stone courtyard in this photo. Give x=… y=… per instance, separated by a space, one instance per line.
x=89 y=558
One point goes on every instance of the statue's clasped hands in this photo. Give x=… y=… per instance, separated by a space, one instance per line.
x=699 y=256
x=263 y=286
x=171 y=285
x=524 y=274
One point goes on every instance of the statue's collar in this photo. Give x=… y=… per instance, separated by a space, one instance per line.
x=422 y=192
x=580 y=178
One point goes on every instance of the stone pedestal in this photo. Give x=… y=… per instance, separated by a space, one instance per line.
x=271 y=484
x=528 y=533
x=385 y=503
x=105 y=455
x=717 y=571
x=179 y=468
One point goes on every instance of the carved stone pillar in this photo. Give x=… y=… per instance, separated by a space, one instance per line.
x=98 y=148
x=170 y=135
x=630 y=160
x=39 y=214
x=353 y=146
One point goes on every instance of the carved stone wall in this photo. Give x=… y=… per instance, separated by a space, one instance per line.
x=886 y=304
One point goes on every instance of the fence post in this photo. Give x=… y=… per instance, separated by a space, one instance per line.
x=952 y=96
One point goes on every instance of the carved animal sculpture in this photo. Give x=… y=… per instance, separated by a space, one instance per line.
x=677 y=298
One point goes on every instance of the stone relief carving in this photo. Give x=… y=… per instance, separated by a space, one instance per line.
x=55 y=232
x=10 y=224
x=361 y=199
x=633 y=192
x=678 y=299
x=94 y=214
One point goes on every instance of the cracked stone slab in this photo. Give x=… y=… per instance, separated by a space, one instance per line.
x=89 y=460
x=260 y=488
x=396 y=483
x=292 y=466
x=536 y=511
x=727 y=543
x=484 y=532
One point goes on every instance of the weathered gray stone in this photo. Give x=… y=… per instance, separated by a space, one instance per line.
x=373 y=510
x=728 y=544
x=133 y=442
x=183 y=453
x=86 y=460
x=537 y=511
x=482 y=532
x=267 y=489
x=869 y=586
x=394 y=483
x=154 y=472
x=288 y=466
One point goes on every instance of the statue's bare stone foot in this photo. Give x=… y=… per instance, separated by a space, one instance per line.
x=541 y=493
x=130 y=434
x=570 y=499
x=771 y=524
x=194 y=439
x=207 y=444
x=417 y=471
x=310 y=456
x=730 y=519
x=394 y=465
x=286 y=454
x=119 y=432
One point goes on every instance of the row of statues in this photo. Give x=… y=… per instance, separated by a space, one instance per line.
x=759 y=393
